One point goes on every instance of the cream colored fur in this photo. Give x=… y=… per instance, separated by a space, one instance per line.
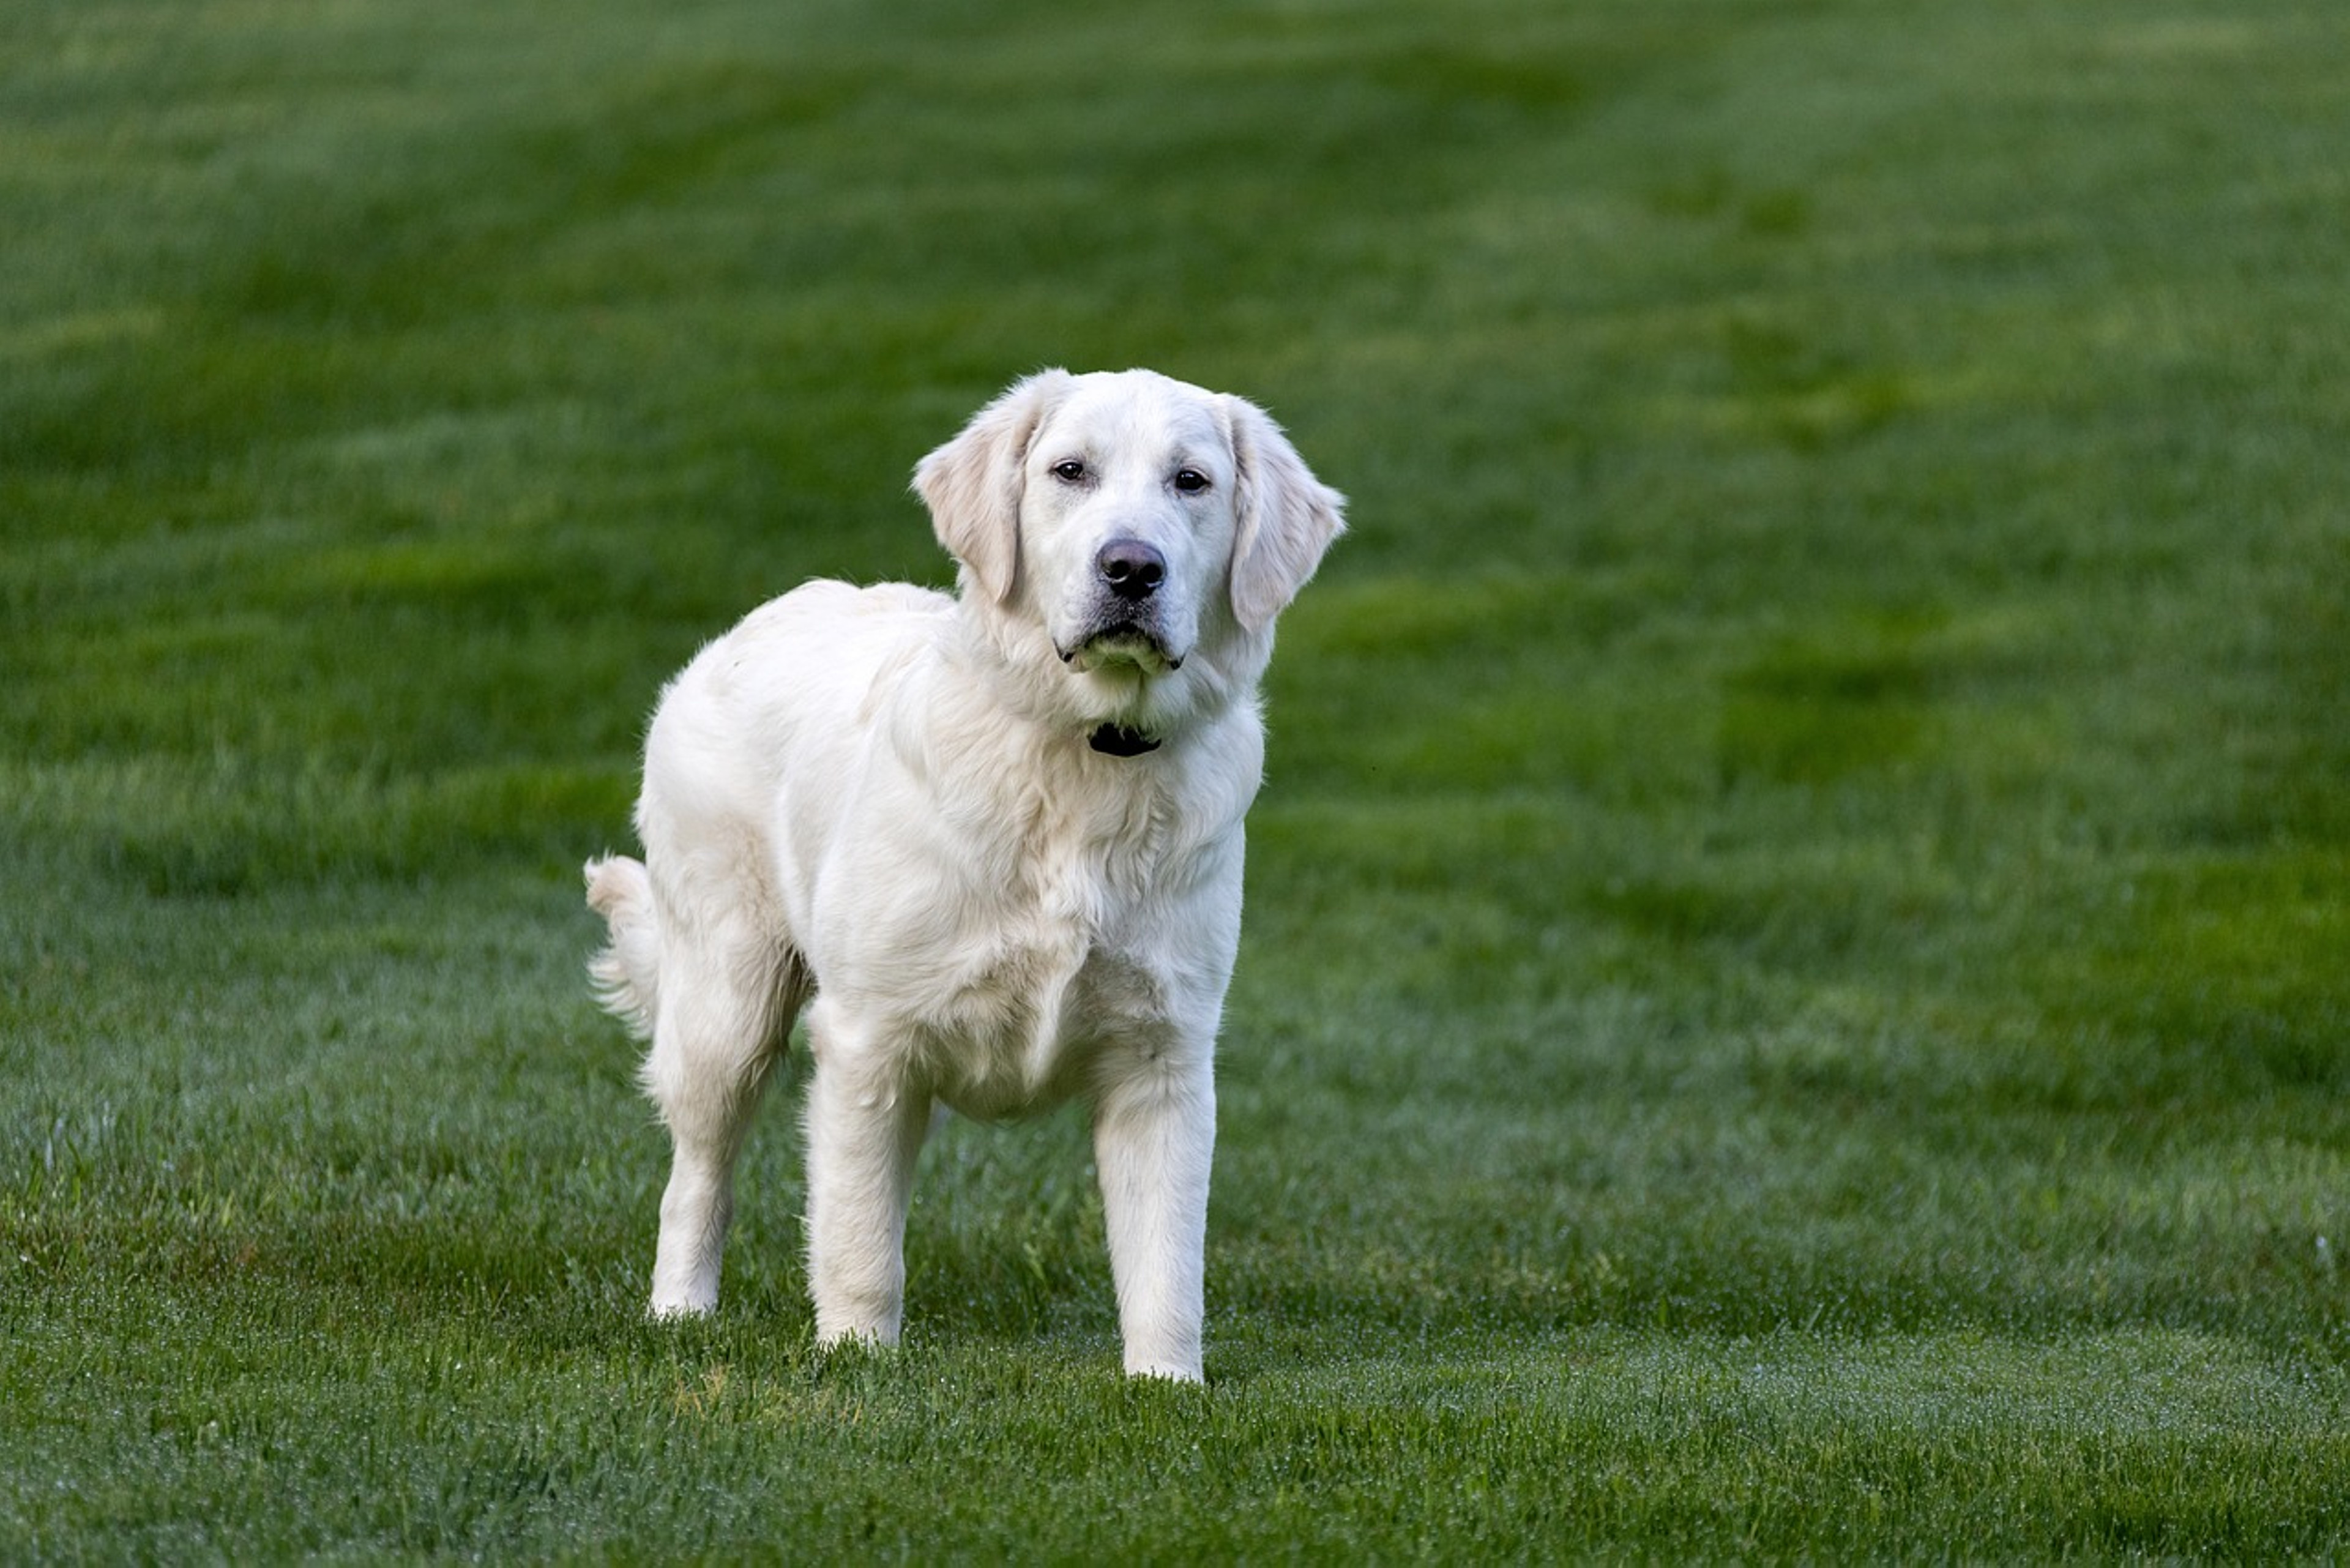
x=881 y=804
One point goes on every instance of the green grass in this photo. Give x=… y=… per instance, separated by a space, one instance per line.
x=1796 y=1000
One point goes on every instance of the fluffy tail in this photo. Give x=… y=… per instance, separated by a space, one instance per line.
x=627 y=971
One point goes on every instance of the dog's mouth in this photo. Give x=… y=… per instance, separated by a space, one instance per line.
x=1122 y=642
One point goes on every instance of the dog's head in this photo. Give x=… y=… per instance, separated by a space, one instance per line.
x=1133 y=523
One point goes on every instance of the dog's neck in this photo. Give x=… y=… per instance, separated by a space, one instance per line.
x=1013 y=665
x=1117 y=741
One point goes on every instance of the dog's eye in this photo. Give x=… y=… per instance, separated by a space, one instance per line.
x=1069 y=470
x=1190 y=481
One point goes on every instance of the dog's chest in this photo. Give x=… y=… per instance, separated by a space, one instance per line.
x=1070 y=961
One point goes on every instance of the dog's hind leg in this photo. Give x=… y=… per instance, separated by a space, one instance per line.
x=725 y=1012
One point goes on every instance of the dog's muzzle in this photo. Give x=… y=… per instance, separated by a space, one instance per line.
x=1122 y=643
x=1124 y=624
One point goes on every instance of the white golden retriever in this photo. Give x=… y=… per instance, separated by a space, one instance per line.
x=992 y=841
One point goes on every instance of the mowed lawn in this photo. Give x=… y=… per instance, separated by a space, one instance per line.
x=1796 y=994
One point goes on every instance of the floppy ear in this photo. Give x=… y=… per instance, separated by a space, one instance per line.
x=972 y=483
x=1287 y=517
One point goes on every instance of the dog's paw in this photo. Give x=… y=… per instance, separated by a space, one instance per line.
x=1165 y=1371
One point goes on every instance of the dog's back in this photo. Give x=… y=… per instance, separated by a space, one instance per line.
x=792 y=683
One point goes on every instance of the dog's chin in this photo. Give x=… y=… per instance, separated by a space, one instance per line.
x=1120 y=650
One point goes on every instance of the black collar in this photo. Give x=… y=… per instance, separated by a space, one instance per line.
x=1117 y=741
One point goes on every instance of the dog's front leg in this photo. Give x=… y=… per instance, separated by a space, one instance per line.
x=864 y=1133
x=1154 y=1140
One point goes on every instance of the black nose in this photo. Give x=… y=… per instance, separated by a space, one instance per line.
x=1132 y=569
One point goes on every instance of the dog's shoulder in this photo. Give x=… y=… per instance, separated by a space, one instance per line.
x=809 y=656
x=826 y=604
x=825 y=627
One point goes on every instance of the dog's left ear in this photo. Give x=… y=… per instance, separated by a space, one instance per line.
x=972 y=483
x=1286 y=517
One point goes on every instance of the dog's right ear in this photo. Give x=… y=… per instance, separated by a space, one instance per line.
x=972 y=483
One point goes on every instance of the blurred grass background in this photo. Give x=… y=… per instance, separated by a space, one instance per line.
x=1795 y=997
